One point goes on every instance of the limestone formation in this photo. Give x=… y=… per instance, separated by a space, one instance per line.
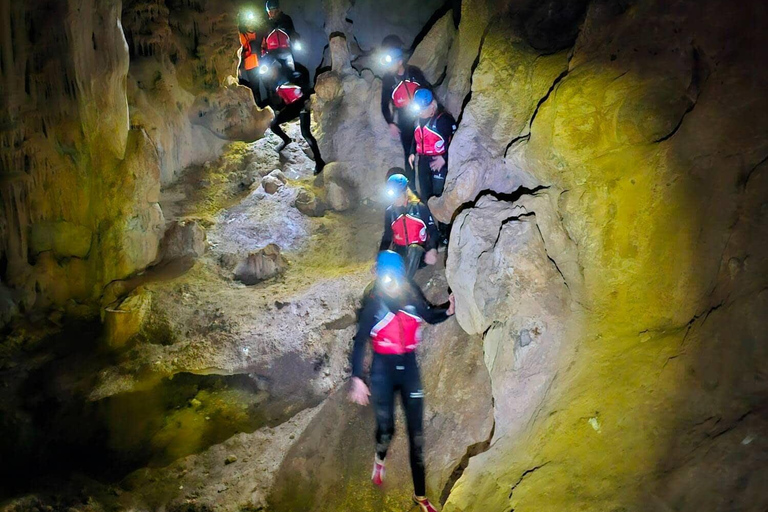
x=260 y=265
x=183 y=239
x=231 y=114
x=124 y=320
x=431 y=55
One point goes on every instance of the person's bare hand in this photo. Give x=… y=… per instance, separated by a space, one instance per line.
x=359 y=393
x=394 y=130
x=430 y=258
x=452 y=307
x=412 y=161
x=437 y=163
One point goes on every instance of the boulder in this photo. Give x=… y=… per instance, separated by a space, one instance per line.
x=339 y=196
x=183 y=239
x=308 y=204
x=271 y=184
x=260 y=265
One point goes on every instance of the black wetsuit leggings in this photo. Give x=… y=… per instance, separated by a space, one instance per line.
x=289 y=113
x=431 y=184
x=405 y=124
x=413 y=255
x=391 y=374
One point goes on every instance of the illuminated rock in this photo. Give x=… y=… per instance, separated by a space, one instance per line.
x=260 y=265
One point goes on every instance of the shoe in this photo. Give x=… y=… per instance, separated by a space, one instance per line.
x=281 y=147
x=424 y=504
x=377 y=477
x=319 y=166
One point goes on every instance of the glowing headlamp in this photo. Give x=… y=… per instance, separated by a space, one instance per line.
x=297 y=46
x=387 y=59
x=391 y=192
x=415 y=108
x=263 y=69
x=249 y=16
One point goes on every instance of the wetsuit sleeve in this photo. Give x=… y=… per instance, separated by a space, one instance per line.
x=418 y=75
x=366 y=319
x=433 y=235
x=386 y=88
x=386 y=238
x=431 y=314
x=413 y=144
x=289 y=28
x=446 y=126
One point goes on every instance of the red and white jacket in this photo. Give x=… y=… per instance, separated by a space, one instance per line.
x=397 y=333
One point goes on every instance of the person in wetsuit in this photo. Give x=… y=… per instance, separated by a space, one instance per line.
x=290 y=92
x=280 y=39
x=409 y=228
x=432 y=136
x=391 y=317
x=398 y=85
x=248 y=54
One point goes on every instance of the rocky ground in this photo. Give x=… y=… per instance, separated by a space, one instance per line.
x=221 y=382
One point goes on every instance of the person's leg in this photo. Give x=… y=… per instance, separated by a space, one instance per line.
x=438 y=185
x=254 y=84
x=285 y=115
x=383 y=395
x=305 y=118
x=413 y=259
x=412 y=395
x=425 y=179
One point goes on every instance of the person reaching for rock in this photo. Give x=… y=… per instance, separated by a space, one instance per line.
x=399 y=84
x=290 y=92
x=409 y=228
x=391 y=317
x=281 y=39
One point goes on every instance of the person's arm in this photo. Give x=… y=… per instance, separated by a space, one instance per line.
x=433 y=235
x=386 y=238
x=446 y=127
x=365 y=322
x=385 y=100
x=418 y=75
x=289 y=28
x=431 y=314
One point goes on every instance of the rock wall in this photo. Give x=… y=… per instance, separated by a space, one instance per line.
x=79 y=187
x=608 y=199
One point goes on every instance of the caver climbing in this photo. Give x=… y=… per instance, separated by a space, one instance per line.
x=409 y=228
x=248 y=54
x=398 y=87
x=289 y=96
x=392 y=316
x=432 y=136
x=281 y=39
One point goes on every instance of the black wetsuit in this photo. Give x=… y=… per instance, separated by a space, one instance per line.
x=298 y=109
x=412 y=253
x=392 y=373
x=431 y=183
x=285 y=23
x=403 y=118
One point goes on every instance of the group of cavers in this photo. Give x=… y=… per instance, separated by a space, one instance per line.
x=394 y=309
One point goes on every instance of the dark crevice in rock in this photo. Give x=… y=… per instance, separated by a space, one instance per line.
x=472 y=451
x=699 y=75
x=551 y=259
x=748 y=175
x=468 y=97
x=733 y=425
x=551 y=89
x=525 y=474
x=501 y=196
x=692 y=321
